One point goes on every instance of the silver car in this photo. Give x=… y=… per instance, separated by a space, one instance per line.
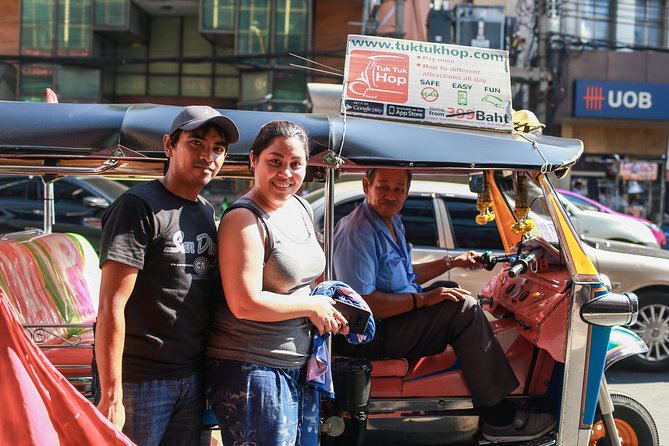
x=592 y=224
x=439 y=218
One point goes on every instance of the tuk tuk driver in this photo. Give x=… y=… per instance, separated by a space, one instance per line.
x=372 y=256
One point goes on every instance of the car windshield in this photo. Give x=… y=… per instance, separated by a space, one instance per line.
x=580 y=203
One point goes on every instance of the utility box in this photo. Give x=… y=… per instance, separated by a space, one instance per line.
x=480 y=26
x=440 y=26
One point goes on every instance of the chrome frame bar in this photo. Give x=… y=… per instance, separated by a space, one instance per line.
x=606 y=408
x=49 y=206
x=106 y=166
x=328 y=229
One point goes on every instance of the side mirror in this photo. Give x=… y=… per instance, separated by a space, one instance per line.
x=477 y=183
x=95 y=202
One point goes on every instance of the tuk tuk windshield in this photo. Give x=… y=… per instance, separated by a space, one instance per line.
x=534 y=198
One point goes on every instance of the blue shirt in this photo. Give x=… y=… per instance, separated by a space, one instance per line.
x=366 y=256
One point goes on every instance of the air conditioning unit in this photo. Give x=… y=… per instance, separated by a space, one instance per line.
x=481 y=26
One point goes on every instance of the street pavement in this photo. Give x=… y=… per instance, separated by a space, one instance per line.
x=650 y=389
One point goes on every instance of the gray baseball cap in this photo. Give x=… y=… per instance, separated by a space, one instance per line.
x=195 y=116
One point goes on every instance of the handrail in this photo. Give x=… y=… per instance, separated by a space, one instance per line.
x=40 y=333
x=57 y=325
x=19 y=234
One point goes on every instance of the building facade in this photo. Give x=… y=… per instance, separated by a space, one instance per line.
x=609 y=61
x=226 y=53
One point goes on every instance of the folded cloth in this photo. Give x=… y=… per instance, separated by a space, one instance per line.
x=318 y=367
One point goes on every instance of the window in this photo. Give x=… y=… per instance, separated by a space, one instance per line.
x=17 y=187
x=74 y=27
x=218 y=15
x=639 y=22
x=65 y=191
x=33 y=81
x=417 y=215
x=588 y=19
x=263 y=27
x=627 y=22
x=466 y=232
x=420 y=222
x=341 y=210
x=580 y=203
x=111 y=13
x=291 y=23
x=37 y=26
x=69 y=20
x=254 y=27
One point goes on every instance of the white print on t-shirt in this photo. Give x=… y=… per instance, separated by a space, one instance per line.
x=204 y=244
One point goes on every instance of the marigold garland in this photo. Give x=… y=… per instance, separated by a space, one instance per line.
x=523 y=224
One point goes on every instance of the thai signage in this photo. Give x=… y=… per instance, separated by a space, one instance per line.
x=624 y=100
x=427 y=82
x=638 y=170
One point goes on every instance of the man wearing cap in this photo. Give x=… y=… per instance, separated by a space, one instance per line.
x=159 y=283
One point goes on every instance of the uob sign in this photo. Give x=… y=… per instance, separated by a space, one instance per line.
x=601 y=99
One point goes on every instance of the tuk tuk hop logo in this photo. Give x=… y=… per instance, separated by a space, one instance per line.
x=379 y=76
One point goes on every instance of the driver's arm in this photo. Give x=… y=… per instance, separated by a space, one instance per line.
x=429 y=270
x=356 y=263
x=392 y=304
x=117 y=283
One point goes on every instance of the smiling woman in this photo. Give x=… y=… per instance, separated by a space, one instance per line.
x=261 y=334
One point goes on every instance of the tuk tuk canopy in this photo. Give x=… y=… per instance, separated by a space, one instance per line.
x=127 y=139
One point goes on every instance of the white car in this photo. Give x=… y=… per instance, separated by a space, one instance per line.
x=599 y=225
x=439 y=218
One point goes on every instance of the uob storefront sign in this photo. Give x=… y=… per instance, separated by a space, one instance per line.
x=602 y=99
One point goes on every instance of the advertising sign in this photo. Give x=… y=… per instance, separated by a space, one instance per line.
x=623 y=100
x=638 y=170
x=427 y=82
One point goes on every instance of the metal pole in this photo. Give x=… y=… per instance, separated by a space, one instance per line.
x=399 y=19
x=542 y=56
x=49 y=208
x=606 y=408
x=328 y=228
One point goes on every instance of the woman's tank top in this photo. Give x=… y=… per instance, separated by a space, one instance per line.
x=290 y=266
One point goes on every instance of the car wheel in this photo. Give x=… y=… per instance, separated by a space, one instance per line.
x=653 y=327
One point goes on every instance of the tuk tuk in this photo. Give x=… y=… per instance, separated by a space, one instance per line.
x=554 y=314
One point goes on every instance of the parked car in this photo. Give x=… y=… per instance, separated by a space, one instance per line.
x=599 y=225
x=588 y=204
x=79 y=204
x=440 y=219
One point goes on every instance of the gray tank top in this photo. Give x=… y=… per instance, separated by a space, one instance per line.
x=290 y=266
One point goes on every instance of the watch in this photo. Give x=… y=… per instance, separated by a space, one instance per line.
x=449 y=262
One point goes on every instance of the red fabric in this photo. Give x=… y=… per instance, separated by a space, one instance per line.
x=38 y=405
x=51 y=96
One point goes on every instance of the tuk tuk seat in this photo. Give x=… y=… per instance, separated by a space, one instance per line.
x=389 y=367
x=52 y=282
x=397 y=377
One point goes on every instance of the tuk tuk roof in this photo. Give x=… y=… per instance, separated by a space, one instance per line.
x=70 y=133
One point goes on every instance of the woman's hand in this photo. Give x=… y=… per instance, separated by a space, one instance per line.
x=325 y=317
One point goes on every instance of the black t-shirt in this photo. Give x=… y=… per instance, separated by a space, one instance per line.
x=173 y=243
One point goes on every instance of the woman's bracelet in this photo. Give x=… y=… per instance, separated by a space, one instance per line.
x=449 y=262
